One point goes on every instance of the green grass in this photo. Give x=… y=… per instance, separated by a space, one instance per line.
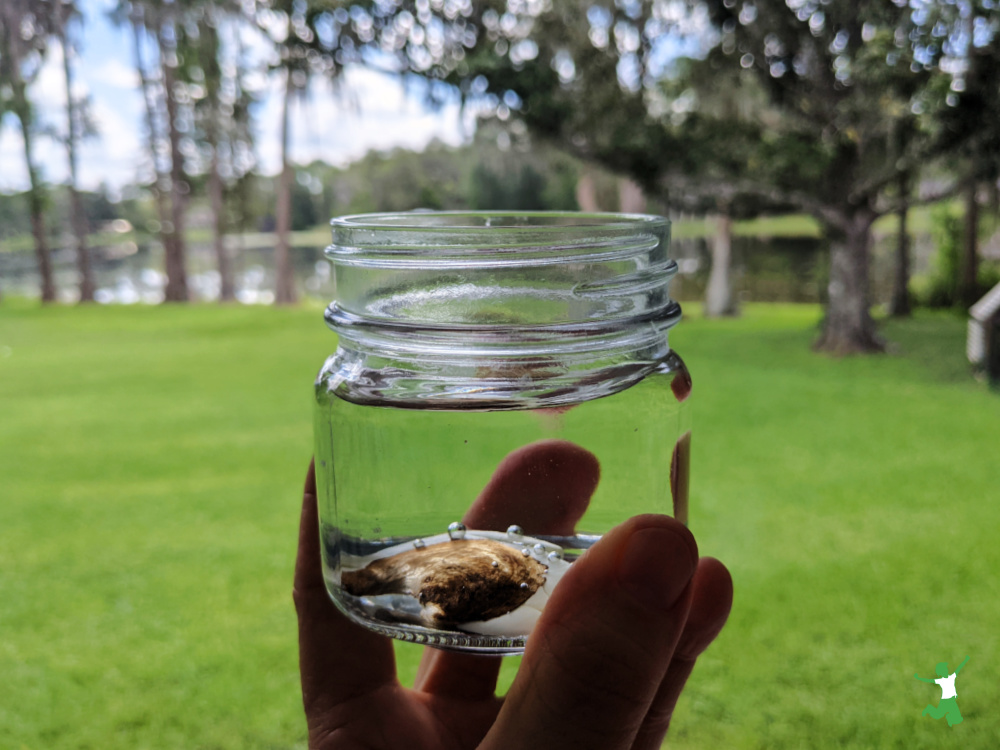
x=919 y=222
x=150 y=467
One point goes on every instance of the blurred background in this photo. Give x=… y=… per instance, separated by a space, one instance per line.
x=831 y=169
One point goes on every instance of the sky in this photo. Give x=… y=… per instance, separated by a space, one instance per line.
x=372 y=111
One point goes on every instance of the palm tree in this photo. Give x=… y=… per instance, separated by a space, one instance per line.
x=208 y=55
x=23 y=35
x=296 y=69
x=154 y=20
x=167 y=37
x=221 y=110
x=65 y=14
x=284 y=283
x=321 y=37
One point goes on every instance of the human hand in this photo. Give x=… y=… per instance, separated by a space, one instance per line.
x=603 y=667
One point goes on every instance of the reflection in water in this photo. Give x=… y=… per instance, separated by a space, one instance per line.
x=789 y=269
x=128 y=274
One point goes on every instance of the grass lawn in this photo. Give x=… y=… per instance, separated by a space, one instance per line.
x=150 y=467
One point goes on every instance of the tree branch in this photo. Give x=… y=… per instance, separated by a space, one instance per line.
x=902 y=203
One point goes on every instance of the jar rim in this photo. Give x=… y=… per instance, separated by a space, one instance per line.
x=531 y=220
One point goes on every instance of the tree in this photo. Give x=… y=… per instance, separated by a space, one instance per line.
x=220 y=111
x=582 y=77
x=962 y=37
x=23 y=34
x=158 y=22
x=65 y=15
x=295 y=39
x=284 y=280
x=835 y=69
x=135 y=15
x=837 y=76
x=167 y=35
x=714 y=94
x=319 y=39
x=899 y=305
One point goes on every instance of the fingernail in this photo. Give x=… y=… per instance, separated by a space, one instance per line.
x=656 y=566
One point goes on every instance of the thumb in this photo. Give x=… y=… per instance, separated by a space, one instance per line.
x=601 y=649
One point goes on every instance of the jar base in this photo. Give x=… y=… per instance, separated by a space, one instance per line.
x=486 y=645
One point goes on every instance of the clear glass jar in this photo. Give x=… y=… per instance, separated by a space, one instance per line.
x=502 y=394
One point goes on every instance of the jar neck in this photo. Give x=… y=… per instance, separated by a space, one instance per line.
x=498 y=311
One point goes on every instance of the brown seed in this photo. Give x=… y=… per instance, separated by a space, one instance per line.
x=455 y=582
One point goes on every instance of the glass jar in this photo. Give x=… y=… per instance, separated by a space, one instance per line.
x=502 y=394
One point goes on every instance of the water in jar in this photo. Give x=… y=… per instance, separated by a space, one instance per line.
x=452 y=527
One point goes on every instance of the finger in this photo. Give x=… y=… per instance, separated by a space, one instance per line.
x=545 y=488
x=603 y=644
x=711 y=601
x=338 y=660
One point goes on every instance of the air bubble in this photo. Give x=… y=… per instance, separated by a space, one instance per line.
x=524 y=586
x=495 y=564
x=456 y=530
x=525 y=551
x=557 y=555
x=515 y=532
x=539 y=549
x=419 y=543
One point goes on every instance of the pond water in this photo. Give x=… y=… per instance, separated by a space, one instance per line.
x=775 y=269
x=127 y=273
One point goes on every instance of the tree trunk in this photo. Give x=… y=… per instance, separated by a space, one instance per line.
x=586 y=193
x=79 y=220
x=209 y=51
x=35 y=199
x=719 y=300
x=284 y=291
x=968 y=286
x=159 y=179
x=227 y=292
x=176 y=289
x=848 y=327
x=42 y=248
x=899 y=306
x=631 y=199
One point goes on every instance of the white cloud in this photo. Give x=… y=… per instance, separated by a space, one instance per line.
x=112 y=156
x=366 y=111
x=116 y=155
x=13 y=174
x=48 y=92
x=115 y=73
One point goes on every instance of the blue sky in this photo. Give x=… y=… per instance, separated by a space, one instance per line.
x=373 y=111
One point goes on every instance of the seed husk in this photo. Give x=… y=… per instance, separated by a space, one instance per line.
x=455 y=582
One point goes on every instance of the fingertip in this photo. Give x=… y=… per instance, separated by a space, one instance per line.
x=657 y=560
x=618 y=613
x=544 y=487
x=667 y=523
x=711 y=600
x=711 y=604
